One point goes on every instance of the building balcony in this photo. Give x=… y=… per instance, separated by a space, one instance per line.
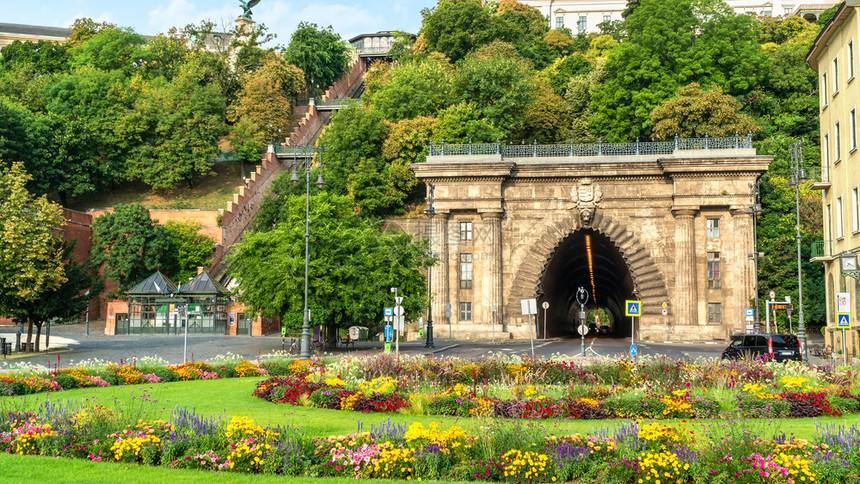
x=822 y=251
x=820 y=177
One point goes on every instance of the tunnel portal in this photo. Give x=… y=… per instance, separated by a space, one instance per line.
x=588 y=259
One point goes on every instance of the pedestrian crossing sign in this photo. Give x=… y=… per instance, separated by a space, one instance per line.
x=843 y=320
x=632 y=308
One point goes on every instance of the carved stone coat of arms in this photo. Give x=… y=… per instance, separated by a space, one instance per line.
x=587 y=197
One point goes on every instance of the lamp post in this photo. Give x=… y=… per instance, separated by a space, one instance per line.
x=582 y=299
x=430 y=212
x=305 y=346
x=755 y=210
x=798 y=176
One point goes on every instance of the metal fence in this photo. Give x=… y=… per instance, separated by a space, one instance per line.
x=600 y=148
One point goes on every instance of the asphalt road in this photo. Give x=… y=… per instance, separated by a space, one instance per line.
x=71 y=344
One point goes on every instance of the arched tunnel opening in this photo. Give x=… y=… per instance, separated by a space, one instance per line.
x=590 y=260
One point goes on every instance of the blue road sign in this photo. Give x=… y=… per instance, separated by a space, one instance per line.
x=389 y=331
x=632 y=308
x=633 y=350
x=843 y=320
x=388 y=312
x=749 y=312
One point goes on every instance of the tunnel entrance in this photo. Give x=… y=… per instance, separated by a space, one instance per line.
x=588 y=259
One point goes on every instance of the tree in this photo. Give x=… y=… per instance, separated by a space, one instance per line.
x=130 y=245
x=110 y=49
x=695 y=112
x=545 y=117
x=416 y=88
x=464 y=122
x=43 y=56
x=319 y=53
x=265 y=98
x=176 y=125
x=352 y=265
x=559 y=73
x=353 y=133
x=31 y=260
x=670 y=44
x=191 y=249
x=454 y=28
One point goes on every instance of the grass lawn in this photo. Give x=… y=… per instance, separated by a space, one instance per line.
x=233 y=397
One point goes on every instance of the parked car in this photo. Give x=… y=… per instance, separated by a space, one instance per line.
x=780 y=347
x=604 y=329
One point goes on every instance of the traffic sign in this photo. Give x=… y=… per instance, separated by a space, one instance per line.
x=398 y=310
x=632 y=308
x=448 y=313
x=389 y=332
x=843 y=320
x=843 y=302
x=665 y=311
x=398 y=300
x=583 y=329
x=633 y=350
x=388 y=312
x=788 y=311
x=748 y=312
x=772 y=296
x=545 y=305
x=665 y=305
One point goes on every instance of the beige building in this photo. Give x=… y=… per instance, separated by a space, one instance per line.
x=834 y=57
x=665 y=223
x=584 y=16
x=30 y=33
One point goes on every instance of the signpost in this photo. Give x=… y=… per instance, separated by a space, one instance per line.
x=529 y=307
x=750 y=317
x=545 y=306
x=843 y=322
x=582 y=299
x=633 y=309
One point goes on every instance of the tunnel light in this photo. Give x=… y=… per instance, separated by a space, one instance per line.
x=590 y=267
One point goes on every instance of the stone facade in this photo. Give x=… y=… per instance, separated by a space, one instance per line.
x=509 y=228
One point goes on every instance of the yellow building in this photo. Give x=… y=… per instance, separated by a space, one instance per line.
x=834 y=57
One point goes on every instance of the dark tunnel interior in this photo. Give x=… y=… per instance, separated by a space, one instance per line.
x=590 y=260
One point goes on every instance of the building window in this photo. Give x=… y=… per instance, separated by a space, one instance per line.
x=559 y=23
x=855 y=209
x=835 y=76
x=825 y=150
x=713 y=228
x=789 y=9
x=714 y=270
x=851 y=60
x=839 y=228
x=582 y=23
x=767 y=13
x=715 y=313
x=829 y=227
x=465 y=230
x=824 y=89
x=853 y=121
x=607 y=17
x=465 y=271
x=465 y=311
x=837 y=147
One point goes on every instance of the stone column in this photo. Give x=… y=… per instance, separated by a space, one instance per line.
x=493 y=248
x=686 y=310
x=441 y=290
x=744 y=271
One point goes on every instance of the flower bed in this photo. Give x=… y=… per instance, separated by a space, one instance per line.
x=654 y=388
x=28 y=381
x=627 y=452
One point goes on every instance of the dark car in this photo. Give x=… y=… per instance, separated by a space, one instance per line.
x=780 y=347
x=604 y=329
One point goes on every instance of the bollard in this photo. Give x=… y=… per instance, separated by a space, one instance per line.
x=3 y=346
x=18 y=342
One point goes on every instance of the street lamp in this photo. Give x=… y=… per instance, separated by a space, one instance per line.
x=305 y=346
x=430 y=212
x=755 y=211
x=798 y=176
x=582 y=299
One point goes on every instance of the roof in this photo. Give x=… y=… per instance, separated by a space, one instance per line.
x=34 y=30
x=829 y=29
x=203 y=284
x=157 y=283
x=381 y=33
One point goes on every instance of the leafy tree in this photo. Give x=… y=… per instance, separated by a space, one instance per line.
x=545 y=117
x=245 y=139
x=275 y=207
x=112 y=48
x=353 y=133
x=130 y=245
x=499 y=82
x=454 y=28
x=526 y=29
x=409 y=138
x=191 y=249
x=85 y=28
x=265 y=98
x=559 y=73
x=31 y=261
x=577 y=103
x=177 y=124
x=464 y=122
x=418 y=88
x=352 y=265
x=670 y=44
x=695 y=112
x=320 y=53
x=372 y=190
x=165 y=55
x=559 y=41
x=43 y=56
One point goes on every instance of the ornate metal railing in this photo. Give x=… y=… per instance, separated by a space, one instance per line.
x=295 y=151
x=600 y=148
x=822 y=248
x=372 y=50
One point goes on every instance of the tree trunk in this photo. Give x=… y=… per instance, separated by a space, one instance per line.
x=38 y=333
x=29 y=334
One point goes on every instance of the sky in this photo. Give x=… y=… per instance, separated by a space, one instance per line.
x=150 y=17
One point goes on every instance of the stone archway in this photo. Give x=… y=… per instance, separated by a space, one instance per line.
x=648 y=282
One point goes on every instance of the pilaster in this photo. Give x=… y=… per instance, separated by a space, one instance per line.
x=686 y=310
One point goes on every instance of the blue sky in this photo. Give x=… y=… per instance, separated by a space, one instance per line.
x=150 y=17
